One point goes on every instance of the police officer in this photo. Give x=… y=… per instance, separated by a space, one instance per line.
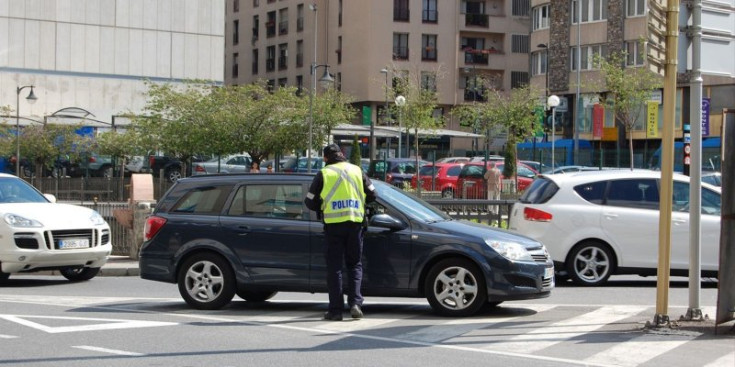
x=339 y=193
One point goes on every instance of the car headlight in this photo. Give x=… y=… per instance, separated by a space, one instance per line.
x=510 y=250
x=97 y=219
x=15 y=220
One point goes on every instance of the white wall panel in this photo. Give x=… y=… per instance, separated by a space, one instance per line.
x=107 y=12
x=63 y=10
x=218 y=18
x=190 y=16
x=218 y=58
x=136 y=13
x=164 y=15
x=18 y=10
x=149 y=53
x=81 y=92
x=204 y=60
x=4 y=8
x=92 y=12
x=191 y=51
x=135 y=52
x=107 y=50
x=178 y=43
x=150 y=14
x=4 y=41
x=121 y=51
x=77 y=47
x=33 y=9
x=77 y=12
x=63 y=42
x=92 y=49
x=16 y=33
x=47 y=46
x=178 y=16
x=48 y=10
x=718 y=65
x=204 y=17
x=122 y=13
x=32 y=44
x=163 y=54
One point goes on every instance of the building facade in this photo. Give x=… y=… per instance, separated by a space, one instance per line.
x=608 y=26
x=447 y=45
x=91 y=58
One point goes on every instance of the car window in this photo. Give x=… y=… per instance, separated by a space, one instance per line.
x=633 y=193
x=454 y=171
x=268 y=200
x=711 y=202
x=14 y=190
x=428 y=171
x=379 y=167
x=594 y=192
x=409 y=205
x=472 y=171
x=540 y=191
x=203 y=200
x=525 y=172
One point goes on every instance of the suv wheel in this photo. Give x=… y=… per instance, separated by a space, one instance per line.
x=448 y=194
x=79 y=274
x=173 y=174
x=255 y=296
x=590 y=263
x=455 y=287
x=206 y=282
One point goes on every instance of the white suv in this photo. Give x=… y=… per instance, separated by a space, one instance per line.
x=598 y=223
x=36 y=234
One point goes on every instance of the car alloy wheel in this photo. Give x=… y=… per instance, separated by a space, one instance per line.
x=206 y=282
x=79 y=274
x=173 y=174
x=590 y=263
x=448 y=194
x=455 y=287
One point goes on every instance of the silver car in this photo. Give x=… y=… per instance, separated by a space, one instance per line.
x=238 y=163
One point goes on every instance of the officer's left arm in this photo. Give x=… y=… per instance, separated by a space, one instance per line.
x=370 y=194
x=313 y=199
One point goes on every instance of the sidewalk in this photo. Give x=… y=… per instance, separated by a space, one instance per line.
x=116 y=266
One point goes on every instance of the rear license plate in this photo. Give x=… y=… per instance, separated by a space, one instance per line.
x=548 y=273
x=74 y=243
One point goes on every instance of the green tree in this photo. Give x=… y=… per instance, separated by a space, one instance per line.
x=331 y=108
x=626 y=91
x=44 y=143
x=120 y=145
x=355 y=156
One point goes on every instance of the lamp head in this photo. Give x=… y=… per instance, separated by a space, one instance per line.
x=326 y=80
x=400 y=101
x=552 y=101
x=31 y=97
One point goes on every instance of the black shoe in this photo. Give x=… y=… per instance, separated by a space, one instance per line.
x=356 y=311
x=332 y=316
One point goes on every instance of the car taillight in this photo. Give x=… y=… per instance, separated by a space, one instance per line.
x=388 y=177
x=151 y=160
x=92 y=159
x=152 y=225
x=199 y=168
x=536 y=215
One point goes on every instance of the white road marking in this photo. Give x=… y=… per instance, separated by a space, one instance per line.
x=7 y=336
x=109 y=324
x=727 y=360
x=638 y=350
x=558 y=332
x=111 y=351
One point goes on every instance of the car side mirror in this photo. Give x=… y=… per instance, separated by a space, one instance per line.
x=387 y=221
x=50 y=197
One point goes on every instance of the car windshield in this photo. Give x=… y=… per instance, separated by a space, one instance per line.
x=428 y=171
x=409 y=205
x=14 y=190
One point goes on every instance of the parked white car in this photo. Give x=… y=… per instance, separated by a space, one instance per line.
x=598 y=223
x=238 y=163
x=36 y=233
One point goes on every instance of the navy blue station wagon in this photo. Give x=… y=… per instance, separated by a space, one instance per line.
x=251 y=235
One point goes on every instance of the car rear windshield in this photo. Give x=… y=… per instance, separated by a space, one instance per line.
x=472 y=171
x=540 y=191
x=428 y=171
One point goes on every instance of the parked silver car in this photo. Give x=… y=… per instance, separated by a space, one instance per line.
x=238 y=163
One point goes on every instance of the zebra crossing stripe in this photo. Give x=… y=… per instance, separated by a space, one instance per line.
x=559 y=332
x=639 y=350
x=726 y=360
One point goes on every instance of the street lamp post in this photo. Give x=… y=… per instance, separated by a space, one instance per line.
x=385 y=116
x=546 y=90
x=552 y=102
x=326 y=79
x=400 y=102
x=31 y=99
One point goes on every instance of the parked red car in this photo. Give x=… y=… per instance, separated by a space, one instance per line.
x=471 y=183
x=445 y=178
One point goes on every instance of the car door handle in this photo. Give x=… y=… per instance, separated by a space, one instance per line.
x=610 y=215
x=678 y=221
x=242 y=230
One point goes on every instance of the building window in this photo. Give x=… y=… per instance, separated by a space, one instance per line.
x=256 y=26
x=428 y=47
x=539 y=61
x=270 y=25
x=521 y=8
x=235 y=32
x=339 y=50
x=299 y=85
x=270 y=58
x=635 y=53
x=635 y=8
x=283 y=56
x=256 y=3
x=592 y=10
x=235 y=6
x=282 y=82
x=473 y=88
x=400 y=46
x=429 y=13
x=428 y=81
x=519 y=44
x=235 y=64
x=270 y=85
x=475 y=14
x=540 y=17
x=339 y=14
x=299 y=53
x=254 y=69
x=400 y=10
x=300 y=18
x=588 y=56
x=283 y=21
x=518 y=79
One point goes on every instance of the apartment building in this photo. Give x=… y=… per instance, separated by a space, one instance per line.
x=88 y=60
x=559 y=30
x=447 y=45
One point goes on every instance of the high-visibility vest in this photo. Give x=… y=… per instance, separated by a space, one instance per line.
x=343 y=196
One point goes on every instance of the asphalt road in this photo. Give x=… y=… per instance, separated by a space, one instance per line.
x=126 y=321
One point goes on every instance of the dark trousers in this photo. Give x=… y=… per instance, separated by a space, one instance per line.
x=344 y=246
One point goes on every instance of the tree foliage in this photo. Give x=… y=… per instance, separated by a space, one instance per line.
x=355 y=156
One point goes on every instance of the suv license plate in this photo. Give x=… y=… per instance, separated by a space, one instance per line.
x=74 y=243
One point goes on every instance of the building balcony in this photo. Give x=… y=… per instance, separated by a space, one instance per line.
x=476 y=20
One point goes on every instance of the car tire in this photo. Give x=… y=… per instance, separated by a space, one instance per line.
x=455 y=288
x=448 y=194
x=256 y=296
x=4 y=276
x=79 y=274
x=590 y=263
x=173 y=174
x=206 y=281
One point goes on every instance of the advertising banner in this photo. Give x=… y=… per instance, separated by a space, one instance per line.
x=598 y=120
x=652 y=120
x=705 y=116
